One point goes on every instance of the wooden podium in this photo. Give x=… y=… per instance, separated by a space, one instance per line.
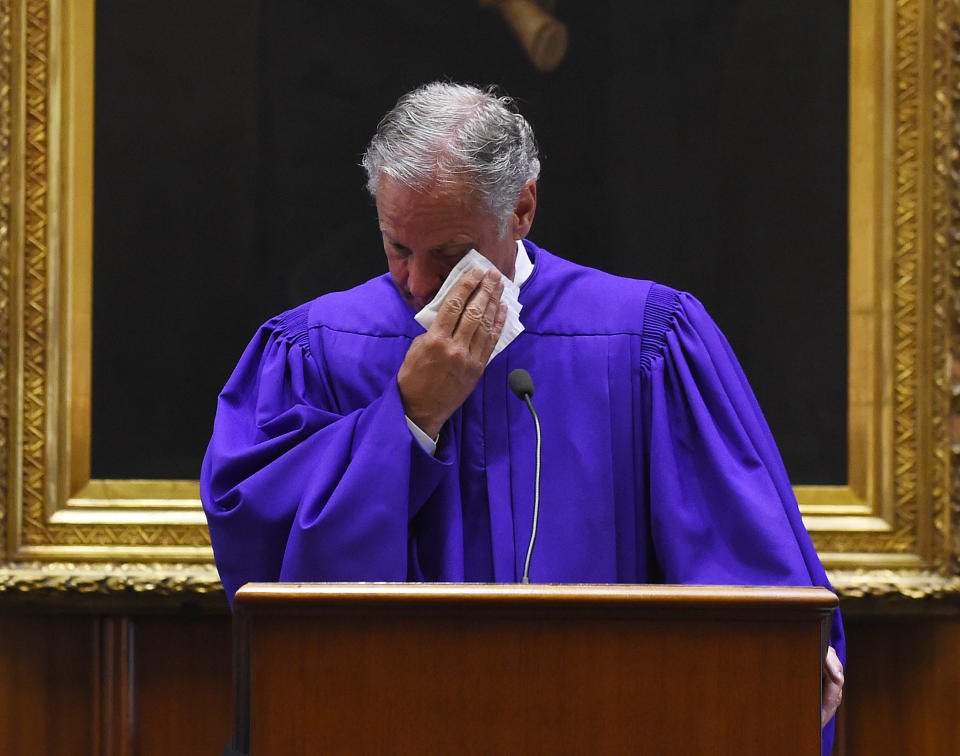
x=375 y=668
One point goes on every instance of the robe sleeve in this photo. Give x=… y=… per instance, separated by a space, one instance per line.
x=722 y=507
x=295 y=491
x=722 y=510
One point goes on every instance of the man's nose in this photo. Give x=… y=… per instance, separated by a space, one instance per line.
x=424 y=277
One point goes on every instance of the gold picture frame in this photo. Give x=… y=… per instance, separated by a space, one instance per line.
x=891 y=530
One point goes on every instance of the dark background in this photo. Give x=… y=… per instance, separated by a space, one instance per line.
x=700 y=143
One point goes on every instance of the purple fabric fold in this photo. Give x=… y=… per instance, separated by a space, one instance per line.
x=285 y=474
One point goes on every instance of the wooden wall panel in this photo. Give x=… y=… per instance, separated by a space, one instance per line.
x=47 y=685
x=902 y=687
x=183 y=671
x=114 y=685
x=145 y=685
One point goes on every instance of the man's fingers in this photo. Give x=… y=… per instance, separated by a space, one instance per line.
x=479 y=330
x=475 y=318
x=454 y=304
x=833 y=666
x=832 y=686
x=498 y=324
x=487 y=335
x=832 y=696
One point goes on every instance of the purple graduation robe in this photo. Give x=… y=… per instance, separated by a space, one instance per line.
x=658 y=465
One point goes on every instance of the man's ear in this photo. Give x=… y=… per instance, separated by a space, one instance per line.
x=525 y=209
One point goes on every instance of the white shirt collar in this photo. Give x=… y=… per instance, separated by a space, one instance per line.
x=524 y=265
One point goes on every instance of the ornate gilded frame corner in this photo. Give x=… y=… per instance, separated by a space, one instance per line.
x=59 y=530
x=893 y=529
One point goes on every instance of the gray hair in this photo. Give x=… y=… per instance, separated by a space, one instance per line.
x=452 y=133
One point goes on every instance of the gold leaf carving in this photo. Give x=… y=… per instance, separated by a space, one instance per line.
x=35 y=262
x=846 y=542
x=943 y=220
x=201 y=579
x=951 y=161
x=110 y=577
x=130 y=535
x=907 y=134
x=913 y=585
x=6 y=74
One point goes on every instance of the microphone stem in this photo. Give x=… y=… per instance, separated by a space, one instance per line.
x=536 y=495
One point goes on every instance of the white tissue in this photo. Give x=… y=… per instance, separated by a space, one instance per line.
x=473 y=259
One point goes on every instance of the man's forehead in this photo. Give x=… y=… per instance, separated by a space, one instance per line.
x=401 y=209
x=394 y=195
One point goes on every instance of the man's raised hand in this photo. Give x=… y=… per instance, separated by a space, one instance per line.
x=444 y=364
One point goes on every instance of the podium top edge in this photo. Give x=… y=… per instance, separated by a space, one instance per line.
x=716 y=596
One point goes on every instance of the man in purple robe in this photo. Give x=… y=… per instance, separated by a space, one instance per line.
x=352 y=445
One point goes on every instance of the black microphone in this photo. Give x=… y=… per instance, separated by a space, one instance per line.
x=522 y=385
